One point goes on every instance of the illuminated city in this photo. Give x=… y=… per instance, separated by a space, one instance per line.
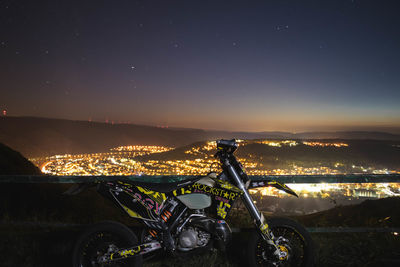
x=199 y=160
x=279 y=143
x=122 y=161
x=325 y=144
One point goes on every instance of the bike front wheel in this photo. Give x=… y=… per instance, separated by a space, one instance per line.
x=290 y=237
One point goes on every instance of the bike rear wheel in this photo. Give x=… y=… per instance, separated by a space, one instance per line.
x=291 y=237
x=100 y=240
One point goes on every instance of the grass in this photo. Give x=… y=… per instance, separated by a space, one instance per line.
x=45 y=247
x=357 y=249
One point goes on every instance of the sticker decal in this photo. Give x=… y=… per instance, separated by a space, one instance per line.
x=221 y=209
x=157 y=196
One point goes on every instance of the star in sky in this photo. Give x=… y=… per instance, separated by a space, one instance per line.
x=288 y=79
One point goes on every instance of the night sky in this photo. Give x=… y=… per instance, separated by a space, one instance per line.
x=233 y=65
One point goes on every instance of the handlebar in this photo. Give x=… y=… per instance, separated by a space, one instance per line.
x=225 y=149
x=227 y=146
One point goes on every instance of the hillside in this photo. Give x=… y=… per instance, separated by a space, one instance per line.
x=354 y=135
x=35 y=137
x=46 y=202
x=381 y=154
x=372 y=153
x=12 y=162
x=369 y=213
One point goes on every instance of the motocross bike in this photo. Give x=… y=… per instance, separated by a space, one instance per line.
x=189 y=216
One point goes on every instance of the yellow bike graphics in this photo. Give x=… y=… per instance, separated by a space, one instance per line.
x=224 y=194
x=146 y=204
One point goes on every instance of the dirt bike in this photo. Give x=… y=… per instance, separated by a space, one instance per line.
x=189 y=216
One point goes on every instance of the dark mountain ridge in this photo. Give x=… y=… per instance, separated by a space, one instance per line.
x=35 y=137
x=13 y=163
x=41 y=137
x=359 y=135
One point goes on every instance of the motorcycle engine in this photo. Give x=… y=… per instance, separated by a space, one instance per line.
x=191 y=238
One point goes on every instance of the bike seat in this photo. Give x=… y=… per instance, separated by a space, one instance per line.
x=166 y=187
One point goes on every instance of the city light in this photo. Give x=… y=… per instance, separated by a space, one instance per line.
x=323 y=144
x=279 y=143
x=127 y=160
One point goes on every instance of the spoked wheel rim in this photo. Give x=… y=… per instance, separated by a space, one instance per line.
x=289 y=240
x=98 y=246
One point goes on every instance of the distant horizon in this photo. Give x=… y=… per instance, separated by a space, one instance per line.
x=228 y=65
x=361 y=128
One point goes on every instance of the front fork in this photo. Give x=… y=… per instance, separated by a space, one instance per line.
x=258 y=217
